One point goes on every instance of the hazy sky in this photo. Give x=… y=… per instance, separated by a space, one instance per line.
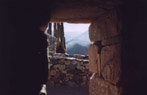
x=70 y=27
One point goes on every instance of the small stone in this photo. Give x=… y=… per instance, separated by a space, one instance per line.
x=66 y=54
x=80 y=67
x=57 y=54
x=74 y=62
x=61 y=67
x=87 y=66
x=71 y=66
x=70 y=58
x=55 y=66
x=85 y=61
x=66 y=62
x=64 y=72
x=53 y=72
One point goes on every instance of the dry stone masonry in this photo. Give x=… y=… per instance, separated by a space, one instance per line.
x=69 y=70
x=51 y=44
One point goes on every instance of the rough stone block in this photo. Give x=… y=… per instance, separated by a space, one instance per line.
x=100 y=87
x=92 y=52
x=110 y=63
x=112 y=40
x=104 y=28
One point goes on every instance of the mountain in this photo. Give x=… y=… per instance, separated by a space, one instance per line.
x=78 y=49
x=78 y=44
x=82 y=39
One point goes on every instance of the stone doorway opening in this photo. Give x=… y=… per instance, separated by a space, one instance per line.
x=67 y=71
x=105 y=31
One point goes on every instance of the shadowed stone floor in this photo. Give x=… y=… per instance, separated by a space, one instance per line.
x=67 y=91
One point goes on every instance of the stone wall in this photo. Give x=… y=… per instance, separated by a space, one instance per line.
x=69 y=70
x=52 y=42
x=105 y=33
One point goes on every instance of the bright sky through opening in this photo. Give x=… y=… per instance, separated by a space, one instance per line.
x=75 y=27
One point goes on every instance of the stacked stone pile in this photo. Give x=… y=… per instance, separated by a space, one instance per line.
x=69 y=70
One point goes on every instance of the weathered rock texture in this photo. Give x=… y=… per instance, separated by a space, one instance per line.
x=106 y=30
x=52 y=43
x=93 y=58
x=105 y=27
x=69 y=70
x=110 y=63
x=101 y=87
x=58 y=33
x=80 y=10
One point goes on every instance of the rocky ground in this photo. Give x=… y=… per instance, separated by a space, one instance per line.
x=67 y=90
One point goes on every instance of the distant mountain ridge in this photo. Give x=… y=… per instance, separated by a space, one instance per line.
x=78 y=44
x=78 y=49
